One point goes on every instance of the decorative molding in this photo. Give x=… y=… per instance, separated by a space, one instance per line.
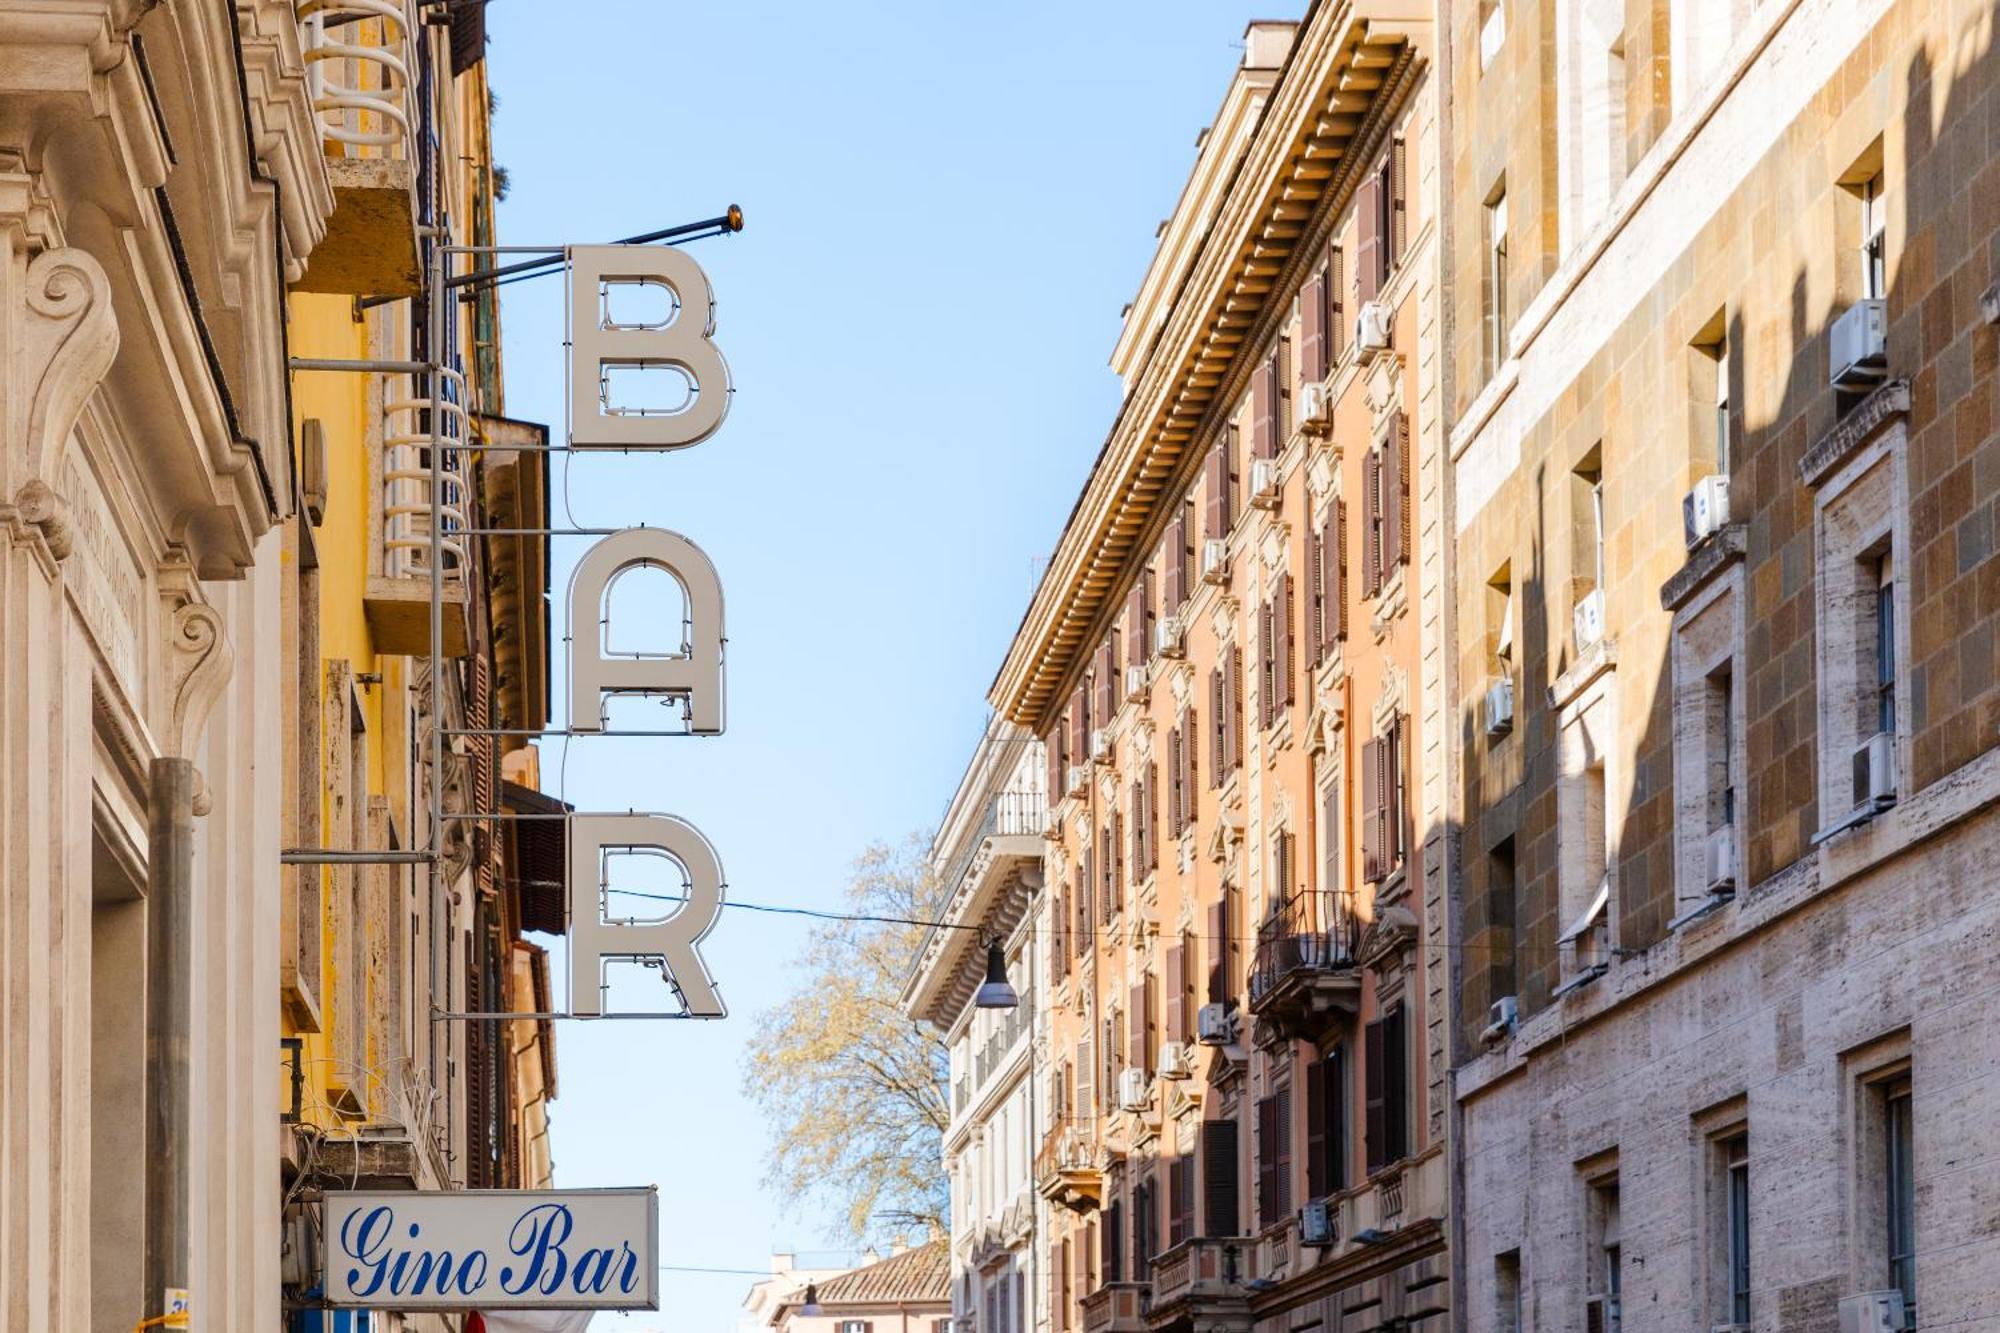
x=67 y=341
x=198 y=663
x=39 y=507
x=1593 y=662
x=1887 y=403
x=1713 y=554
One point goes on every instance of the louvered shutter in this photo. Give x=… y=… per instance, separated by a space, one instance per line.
x=1371 y=814
x=1215 y=490
x=1174 y=560
x=1176 y=793
x=1114 y=859
x=1081 y=893
x=1105 y=672
x=1281 y=869
x=1189 y=745
x=1218 y=954
x=1233 y=713
x=1059 y=941
x=1151 y=986
x=1395 y=1084
x=1283 y=1203
x=1113 y=1236
x=1399 y=493
x=1333 y=1075
x=1340 y=568
x=1399 y=227
x=1086 y=1080
x=1316 y=1186
x=1371 y=524
x=1135 y=1030
x=1368 y=254
x=1220 y=1146
x=1288 y=647
x=1218 y=727
x=1376 y=1120
x=1329 y=838
x=1315 y=594
x=1312 y=318
x=1264 y=410
x=1267 y=662
x=1176 y=983
x=1153 y=816
x=1393 y=506
x=1139 y=620
x=1053 y=748
x=1267 y=1160
x=1179 y=1206
x=1079 y=728
x=1336 y=304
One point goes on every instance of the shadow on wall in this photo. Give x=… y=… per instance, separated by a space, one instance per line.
x=1943 y=203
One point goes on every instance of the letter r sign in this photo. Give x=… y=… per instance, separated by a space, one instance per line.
x=642 y=379
x=594 y=936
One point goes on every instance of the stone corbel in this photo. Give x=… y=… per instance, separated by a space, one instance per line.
x=68 y=338
x=38 y=512
x=1393 y=930
x=198 y=665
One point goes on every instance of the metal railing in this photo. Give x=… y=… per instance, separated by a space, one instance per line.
x=360 y=73
x=1315 y=930
x=1008 y=814
x=406 y=472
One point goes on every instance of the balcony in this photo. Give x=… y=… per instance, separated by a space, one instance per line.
x=1010 y=829
x=1304 y=971
x=361 y=73
x=1117 y=1307
x=398 y=597
x=1069 y=1168
x=1198 y=1279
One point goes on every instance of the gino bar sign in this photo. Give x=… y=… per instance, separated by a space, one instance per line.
x=493 y=1249
x=609 y=356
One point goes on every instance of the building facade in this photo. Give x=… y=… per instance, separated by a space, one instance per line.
x=988 y=859
x=907 y=1292
x=1235 y=663
x=207 y=653
x=1724 y=475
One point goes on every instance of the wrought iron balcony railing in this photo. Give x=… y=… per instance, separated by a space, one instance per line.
x=1305 y=959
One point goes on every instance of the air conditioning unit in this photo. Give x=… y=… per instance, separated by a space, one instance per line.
x=1857 y=346
x=1501 y=1016
x=1078 y=775
x=1719 y=860
x=1135 y=682
x=1588 y=618
x=1371 y=328
x=1134 y=1089
x=1705 y=509
x=1264 y=483
x=1215 y=560
x=1315 y=409
x=1875 y=772
x=1317 y=1224
x=1872 y=1312
x=1214 y=1025
x=1500 y=706
x=1167 y=636
x=1174 y=1061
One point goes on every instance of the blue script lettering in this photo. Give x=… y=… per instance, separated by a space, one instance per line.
x=381 y=1266
x=538 y=1238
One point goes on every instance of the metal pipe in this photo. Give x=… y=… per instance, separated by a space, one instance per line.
x=434 y=322
x=363 y=366
x=730 y=221
x=169 y=1024
x=539 y=532
x=487 y=1016
x=560 y=731
x=337 y=856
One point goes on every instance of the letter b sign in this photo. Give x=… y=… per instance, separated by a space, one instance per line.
x=619 y=360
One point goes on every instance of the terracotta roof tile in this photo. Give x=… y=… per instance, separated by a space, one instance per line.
x=921 y=1273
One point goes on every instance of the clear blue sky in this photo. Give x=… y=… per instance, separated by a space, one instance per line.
x=947 y=206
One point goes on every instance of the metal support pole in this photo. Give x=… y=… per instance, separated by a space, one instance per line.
x=339 y=856
x=363 y=366
x=169 y=1024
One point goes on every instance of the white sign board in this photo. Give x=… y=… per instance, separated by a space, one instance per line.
x=493 y=1249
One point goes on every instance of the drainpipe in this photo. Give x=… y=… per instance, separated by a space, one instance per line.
x=169 y=1019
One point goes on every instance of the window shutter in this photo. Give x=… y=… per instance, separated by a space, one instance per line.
x=1114 y=883
x=1336 y=304
x=1396 y=1085
x=1316 y=1156
x=1316 y=594
x=1059 y=943
x=1288 y=647
x=1176 y=793
x=1114 y=1242
x=1218 y=954
x=1391 y=553
x=1081 y=893
x=1371 y=814
x=1329 y=838
x=1176 y=983
x=1396 y=791
x=1368 y=220
x=1399 y=492
x=1264 y=409
x=1180 y=1200
x=1190 y=743
x=1150 y=985
x=1312 y=318
x=1267 y=664
x=1152 y=811
x=1371 y=533
x=1137 y=1056
x=1387 y=853
x=1086 y=1079
x=1282 y=869
x=1267 y=1160
x=1106 y=671
x=1399 y=227
x=1234 y=716
x=1219 y=1149
x=1215 y=489
x=1374 y=1112
x=1053 y=748
x=1340 y=568
x=1079 y=728
x=1333 y=1074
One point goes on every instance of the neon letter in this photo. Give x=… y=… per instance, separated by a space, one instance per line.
x=695 y=674
x=592 y=939
x=680 y=344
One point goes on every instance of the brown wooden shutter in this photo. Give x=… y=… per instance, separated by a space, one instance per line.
x=1151 y=986
x=1340 y=590
x=1153 y=815
x=1281 y=869
x=1113 y=1237
x=1368 y=254
x=1371 y=534
x=1267 y=1160
x=1315 y=594
x=1288 y=647
x=1137 y=1056
x=1394 y=506
x=1180 y=1199
x=1176 y=794
x=1215 y=490
x=1218 y=953
x=1399 y=494
x=1080 y=892
x=1371 y=814
x=1233 y=716
x=1396 y=1084
x=1139 y=620
x=1052 y=747
x=1105 y=702
x=1375 y=1124
x=1086 y=1079
x=1329 y=838
x=1079 y=728
x=1190 y=744
x=1115 y=882
x=1316 y=1155
x=1336 y=304
x=1180 y=534
x=1267 y=662
x=1312 y=336
x=1264 y=410
x=1176 y=982
x=1399 y=227
x=1220 y=1149
x=1218 y=701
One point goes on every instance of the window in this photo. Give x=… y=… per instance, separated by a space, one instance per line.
x=1733 y=1155
x=1507 y=1293
x=1496 y=280
x=1588 y=523
x=1899 y=1192
x=1274 y=1157
x=855 y=1326
x=1722 y=452
x=1387 y=1078
x=1604 y=1275
x=1145 y=1229
x=1384 y=782
x=1220 y=1146
x=1591 y=92
x=1881 y=700
x=1718 y=722
x=1326 y=1124
x=1874 y=254
x=1492 y=32
x=1501 y=891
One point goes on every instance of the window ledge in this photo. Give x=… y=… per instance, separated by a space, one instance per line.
x=1710 y=556
x=1591 y=663
x=1889 y=401
x=1391 y=602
